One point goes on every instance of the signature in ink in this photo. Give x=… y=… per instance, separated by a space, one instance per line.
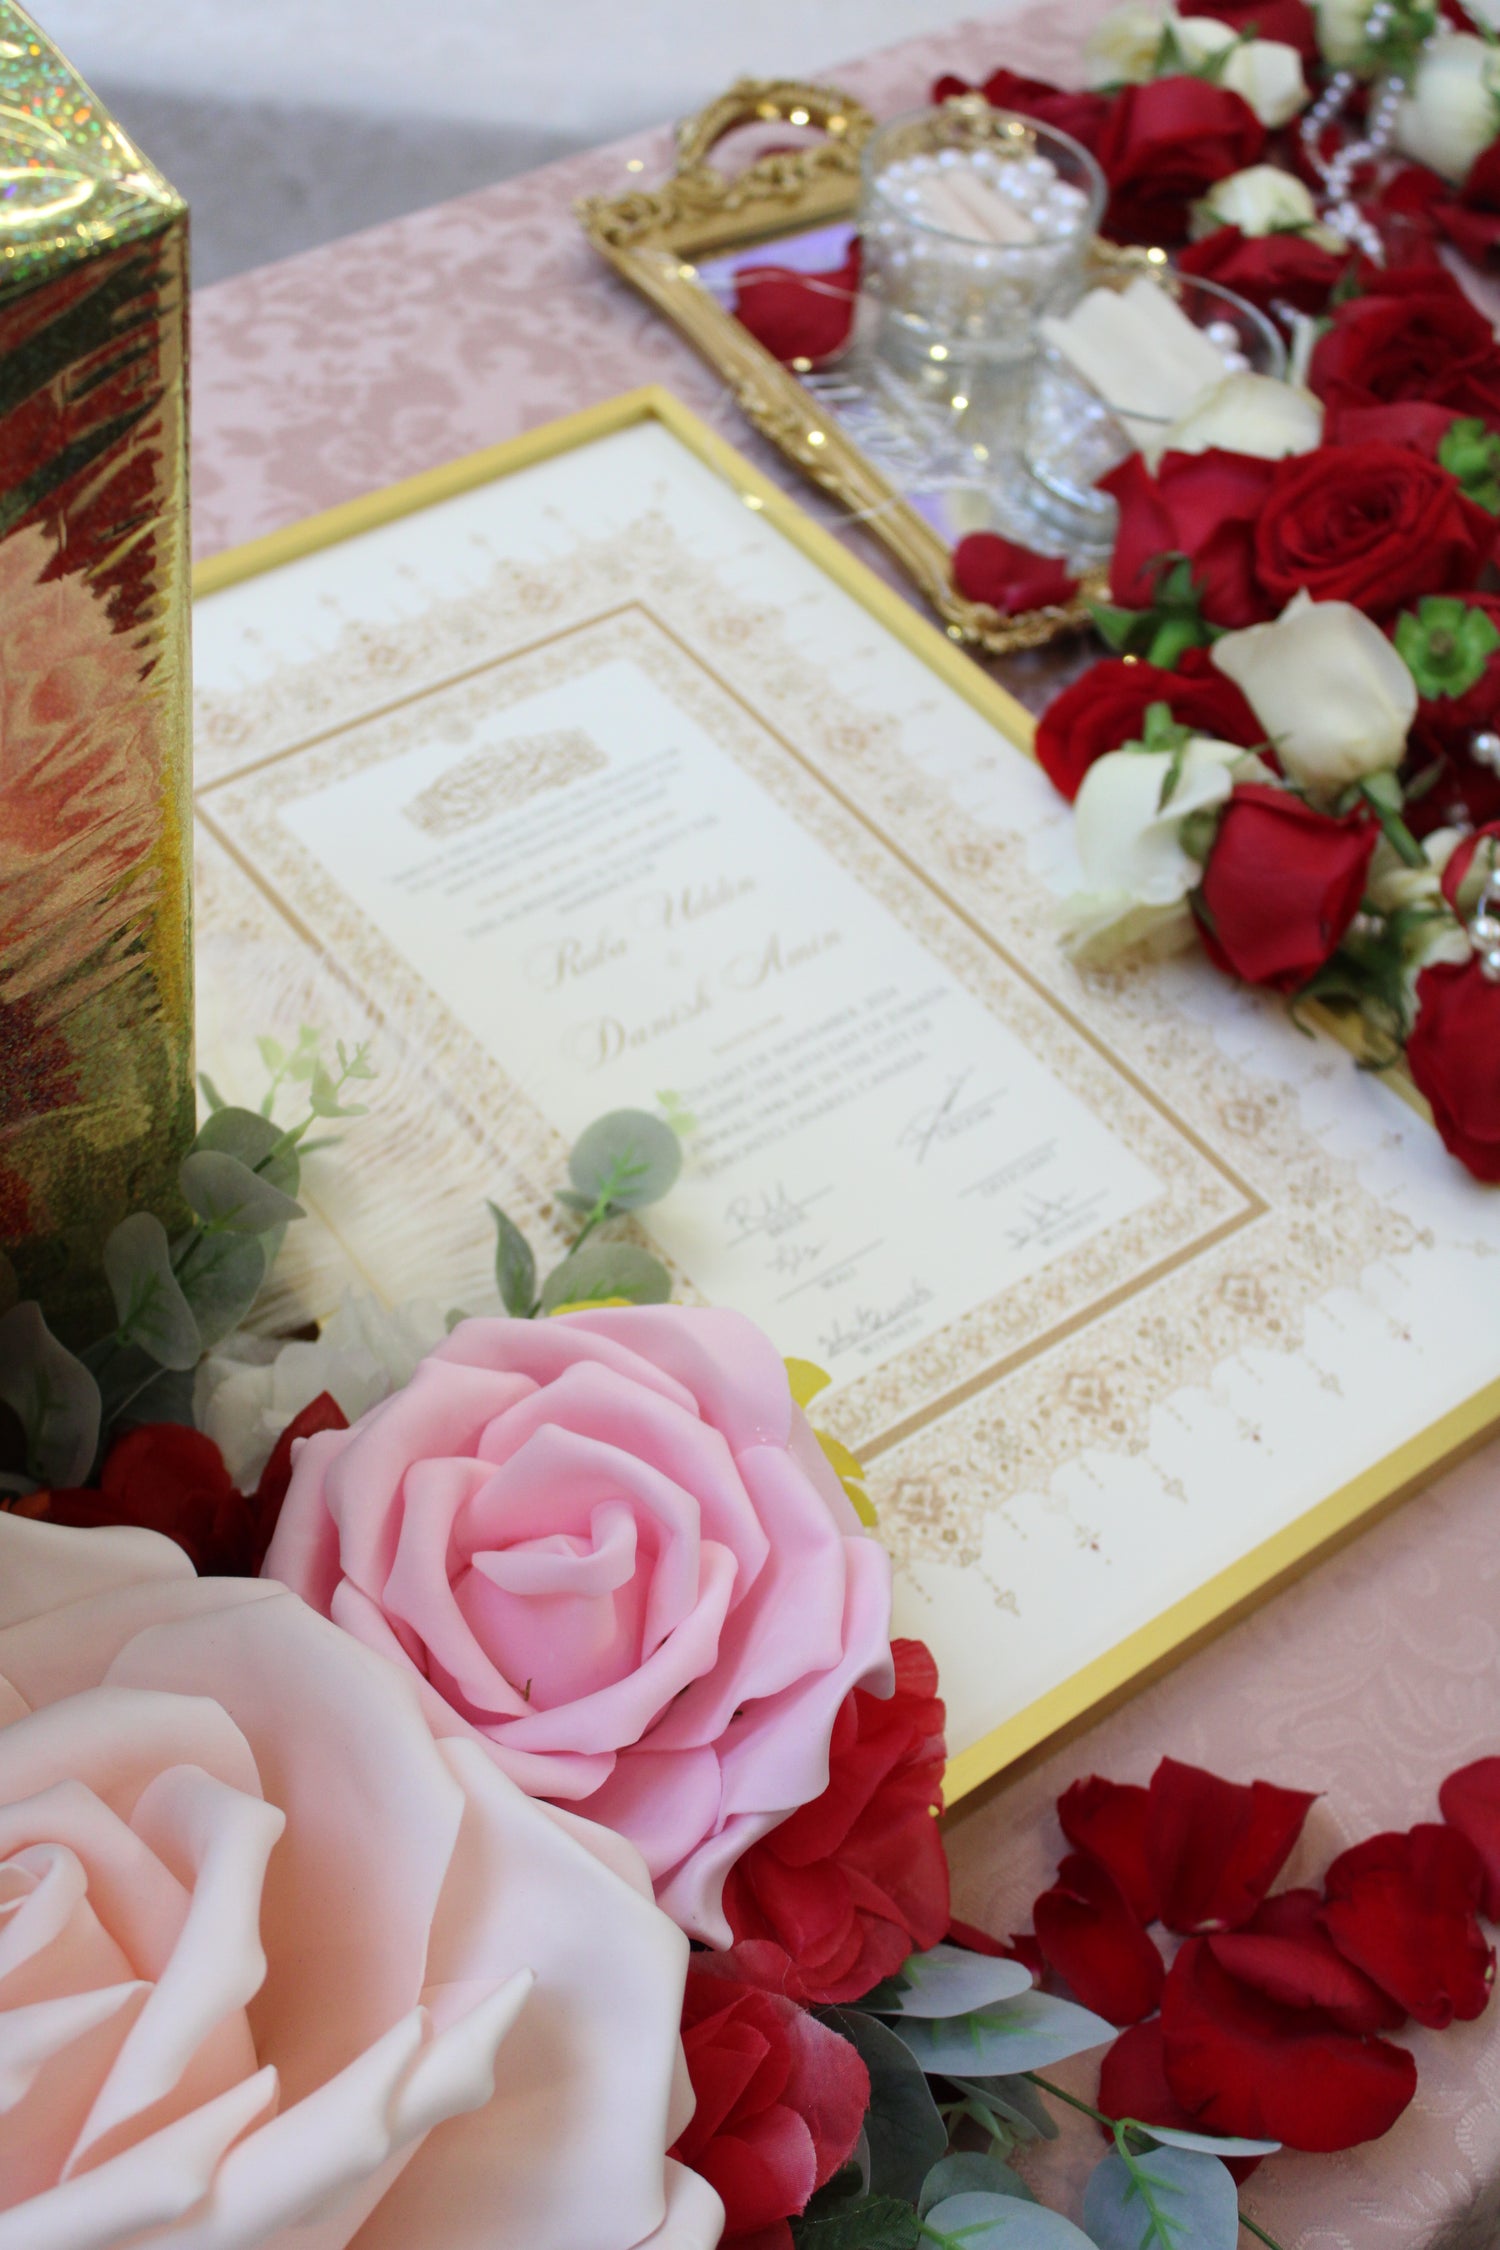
x=1046 y=1219
x=950 y=1118
x=866 y=1322
x=771 y=1211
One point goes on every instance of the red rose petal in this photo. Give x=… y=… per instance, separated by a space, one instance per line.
x=1095 y=1943
x=169 y=1478
x=1470 y=1802
x=1133 y=2083
x=1243 y=2064
x=1217 y=1846
x=1019 y=1946
x=799 y=315
x=1110 y=1820
x=987 y=568
x=1285 y=1952
x=1403 y=1909
x=321 y=1413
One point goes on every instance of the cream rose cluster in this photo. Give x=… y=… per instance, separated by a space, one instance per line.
x=278 y=1968
x=608 y=1550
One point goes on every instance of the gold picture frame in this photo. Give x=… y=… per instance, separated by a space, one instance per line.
x=651 y=236
x=1142 y=1656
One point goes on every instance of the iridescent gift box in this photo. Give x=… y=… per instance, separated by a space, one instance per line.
x=96 y=1064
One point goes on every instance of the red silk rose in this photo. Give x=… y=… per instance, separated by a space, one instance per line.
x=779 y=2098
x=1282 y=884
x=799 y=315
x=1107 y=706
x=1243 y=2063
x=1376 y=525
x=855 y=1881
x=1420 y=342
x=1453 y=1054
x=1082 y=115
x=1201 y=505
x=1404 y=1909
x=168 y=1478
x=1405 y=421
x=1268 y=270
x=1163 y=146
x=1470 y=1802
x=987 y=568
x=1471 y=220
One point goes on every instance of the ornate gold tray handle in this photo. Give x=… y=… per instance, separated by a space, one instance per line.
x=653 y=235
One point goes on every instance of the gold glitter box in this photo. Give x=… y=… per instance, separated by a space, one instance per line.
x=96 y=1060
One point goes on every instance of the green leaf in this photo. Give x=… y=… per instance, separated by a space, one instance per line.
x=135 y=1389
x=1014 y=2099
x=226 y=1193
x=1031 y=2032
x=211 y=1094
x=905 y=2132
x=878 y=2222
x=967 y=2172
x=1166 y=2199
x=252 y=1138
x=221 y=1278
x=1445 y=645
x=150 y=1307
x=515 y=1267
x=272 y=1053
x=607 y=1269
x=947 y=1981
x=1203 y=2144
x=53 y=1395
x=1119 y=629
x=999 y=2222
x=325 y=1100
x=628 y=1159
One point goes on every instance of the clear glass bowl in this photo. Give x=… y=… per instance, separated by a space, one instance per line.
x=1073 y=433
x=974 y=222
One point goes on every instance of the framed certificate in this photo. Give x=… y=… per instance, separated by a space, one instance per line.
x=590 y=772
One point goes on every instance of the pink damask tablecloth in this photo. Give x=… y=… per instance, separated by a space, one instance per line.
x=350 y=367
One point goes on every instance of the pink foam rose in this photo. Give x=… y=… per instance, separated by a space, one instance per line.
x=609 y=1548
x=277 y=1968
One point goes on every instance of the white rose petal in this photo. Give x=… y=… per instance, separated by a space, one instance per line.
x=1251 y=414
x=1268 y=75
x=1331 y=692
x=1127 y=839
x=1199 y=37
x=1260 y=200
x=1099 y=926
x=1341 y=32
x=1453 y=111
x=1122 y=50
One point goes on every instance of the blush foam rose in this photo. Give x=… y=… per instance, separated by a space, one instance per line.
x=278 y=1969
x=607 y=1547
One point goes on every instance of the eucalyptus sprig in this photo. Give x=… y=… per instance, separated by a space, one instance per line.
x=618 y=1165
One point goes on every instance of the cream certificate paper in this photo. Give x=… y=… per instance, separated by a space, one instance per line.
x=587 y=788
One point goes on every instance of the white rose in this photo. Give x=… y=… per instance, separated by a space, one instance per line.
x=1334 y=698
x=1199 y=37
x=1260 y=200
x=1122 y=50
x=250 y=1387
x=1251 y=414
x=1268 y=74
x=1129 y=844
x=1341 y=32
x=1453 y=111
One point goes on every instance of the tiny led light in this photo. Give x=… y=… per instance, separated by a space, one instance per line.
x=815 y=437
x=959 y=402
x=937 y=351
x=752 y=499
x=797 y=117
x=801 y=366
x=635 y=164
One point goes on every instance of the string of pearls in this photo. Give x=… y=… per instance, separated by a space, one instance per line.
x=1337 y=172
x=1484 y=930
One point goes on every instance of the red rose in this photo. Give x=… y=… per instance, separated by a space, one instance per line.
x=1201 y=505
x=166 y=1477
x=1471 y=221
x=1403 y=1908
x=1442 y=733
x=780 y=2099
x=1453 y=1055
x=1282 y=884
x=1376 y=525
x=1407 y=421
x=1418 y=339
x=1107 y=706
x=1461 y=859
x=1241 y=2062
x=858 y=1879
x=799 y=315
x=1163 y=146
x=987 y=568
x=1290 y=21
x=1269 y=270
x=1081 y=115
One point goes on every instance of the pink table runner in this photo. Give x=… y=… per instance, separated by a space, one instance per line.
x=343 y=370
